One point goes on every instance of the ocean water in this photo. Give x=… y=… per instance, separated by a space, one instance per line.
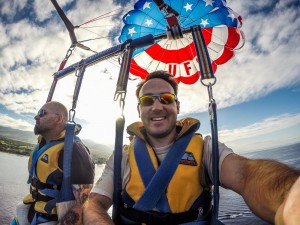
x=233 y=210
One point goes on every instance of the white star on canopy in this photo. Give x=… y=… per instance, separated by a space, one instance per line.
x=208 y=2
x=204 y=22
x=148 y=22
x=188 y=7
x=131 y=31
x=146 y=5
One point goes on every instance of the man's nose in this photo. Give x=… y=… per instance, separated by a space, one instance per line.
x=156 y=104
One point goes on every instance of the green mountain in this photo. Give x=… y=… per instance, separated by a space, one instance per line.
x=99 y=152
x=18 y=135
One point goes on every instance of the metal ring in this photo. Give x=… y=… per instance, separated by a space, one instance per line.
x=209 y=83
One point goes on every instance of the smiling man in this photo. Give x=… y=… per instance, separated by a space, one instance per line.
x=167 y=169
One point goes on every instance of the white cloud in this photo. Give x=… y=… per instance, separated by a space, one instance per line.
x=272 y=132
x=11 y=8
x=269 y=125
x=7 y=121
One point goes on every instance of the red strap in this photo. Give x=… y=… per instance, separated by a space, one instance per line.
x=172 y=21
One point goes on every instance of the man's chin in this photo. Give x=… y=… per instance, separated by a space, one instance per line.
x=36 y=130
x=159 y=133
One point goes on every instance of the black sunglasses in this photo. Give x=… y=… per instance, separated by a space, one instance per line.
x=41 y=112
x=165 y=98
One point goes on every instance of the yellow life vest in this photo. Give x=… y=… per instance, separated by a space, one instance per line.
x=48 y=177
x=185 y=186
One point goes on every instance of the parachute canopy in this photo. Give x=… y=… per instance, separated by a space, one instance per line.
x=220 y=27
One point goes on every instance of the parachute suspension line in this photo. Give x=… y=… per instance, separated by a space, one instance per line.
x=105 y=15
x=52 y=88
x=202 y=53
x=79 y=72
x=120 y=93
x=212 y=109
x=207 y=74
x=66 y=21
x=71 y=130
x=120 y=123
x=61 y=67
x=69 y=27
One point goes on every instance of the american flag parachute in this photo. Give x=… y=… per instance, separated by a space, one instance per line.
x=219 y=24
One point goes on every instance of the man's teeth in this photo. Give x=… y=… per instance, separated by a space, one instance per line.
x=158 y=118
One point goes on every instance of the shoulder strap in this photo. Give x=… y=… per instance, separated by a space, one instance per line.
x=37 y=153
x=156 y=187
x=66 y=192
x=147 y=171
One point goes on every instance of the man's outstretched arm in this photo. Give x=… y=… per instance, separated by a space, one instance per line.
x=264 y=184
x=95 y=211
x=289 y=211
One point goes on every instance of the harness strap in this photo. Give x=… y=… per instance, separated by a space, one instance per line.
x=117 y=199
x=40 y=218
x=153 y=217
x=215 y=152
x=40 y=185
x=66 y=192
x=155 y=188
x=38 y=197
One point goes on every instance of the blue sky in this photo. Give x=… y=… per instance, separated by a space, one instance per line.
x=257 y=92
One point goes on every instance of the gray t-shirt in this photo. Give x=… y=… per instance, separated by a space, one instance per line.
x=104 y=185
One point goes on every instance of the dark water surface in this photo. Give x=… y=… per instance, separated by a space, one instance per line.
x=233 y=210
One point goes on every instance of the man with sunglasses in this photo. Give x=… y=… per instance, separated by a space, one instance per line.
x=167 y=168
x=45 y=166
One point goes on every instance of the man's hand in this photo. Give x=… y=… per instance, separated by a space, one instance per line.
x=74 y=215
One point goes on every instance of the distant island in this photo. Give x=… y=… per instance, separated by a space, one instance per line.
x=12 y=146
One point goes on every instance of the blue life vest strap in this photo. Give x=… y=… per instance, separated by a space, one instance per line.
x=155 y=188
x=66 y=192
x=147 y=171
x=36 y=155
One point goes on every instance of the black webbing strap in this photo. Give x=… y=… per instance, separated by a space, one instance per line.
x=157 y=218
x=215 y=151
x=117 y=170
x=40 y=185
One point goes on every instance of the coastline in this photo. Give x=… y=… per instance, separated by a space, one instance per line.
x=11 y=146
x=17 y=147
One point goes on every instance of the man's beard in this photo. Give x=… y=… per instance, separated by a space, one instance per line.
x=160 y=135
x=36 y=130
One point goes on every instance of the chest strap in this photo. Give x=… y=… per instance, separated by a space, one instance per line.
x=157 y=218
x=40 y=185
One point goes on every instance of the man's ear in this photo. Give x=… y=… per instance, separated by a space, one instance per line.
x=178 y=107
x=60 y=119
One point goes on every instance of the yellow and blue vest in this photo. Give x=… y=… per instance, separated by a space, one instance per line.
x=184 y=191
x=45 y=176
